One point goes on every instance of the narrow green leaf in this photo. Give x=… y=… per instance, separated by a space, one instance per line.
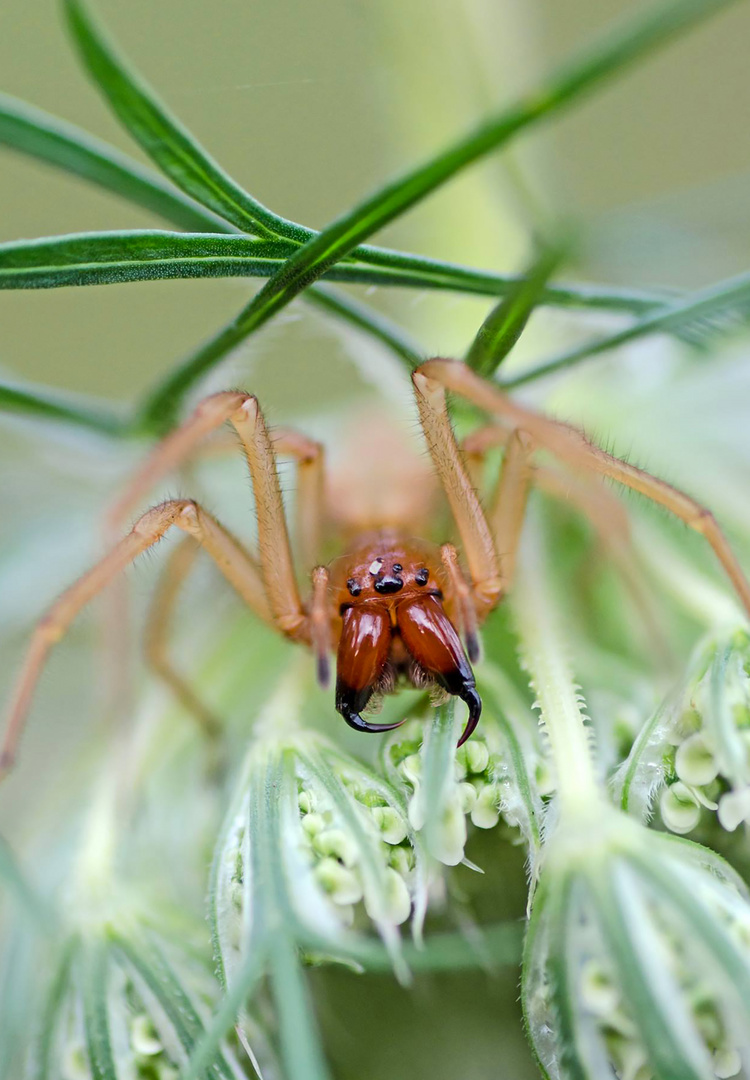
x=94 y=965
x=341 y=237
x=505 y=323
x=703 y=923
x=300 y=1041
x=43 y=1061
x=153 y=967
x=246 y=979
x=164 y=139
x=134 y=255
x=639 y=955
x=48 y=404
x=733 y=294
x=372 y=322
x=516 y=724
x=49 y=139
x=558 y=914
x=491 y=947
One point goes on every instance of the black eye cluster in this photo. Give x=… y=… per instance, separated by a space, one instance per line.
x=421 y=577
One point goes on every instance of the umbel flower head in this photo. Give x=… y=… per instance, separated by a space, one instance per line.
x=694 y=752
x=637 y=960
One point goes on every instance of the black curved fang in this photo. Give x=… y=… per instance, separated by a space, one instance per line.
x=461 y=684
x=473 y=700
x=350 y=702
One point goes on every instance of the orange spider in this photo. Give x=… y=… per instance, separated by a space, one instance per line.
x=394 y=608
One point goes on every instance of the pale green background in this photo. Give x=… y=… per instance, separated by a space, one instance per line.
x=310 y=104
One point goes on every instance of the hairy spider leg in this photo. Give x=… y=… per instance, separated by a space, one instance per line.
x=465 y=609
x=572 y=447
x=473 y=527
x=159 y=620
x=235 y=563
x=600 y=507
x=182 y=445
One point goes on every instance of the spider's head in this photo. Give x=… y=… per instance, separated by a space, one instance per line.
x=393 y=624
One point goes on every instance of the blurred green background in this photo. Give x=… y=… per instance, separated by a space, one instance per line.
x=310 y=105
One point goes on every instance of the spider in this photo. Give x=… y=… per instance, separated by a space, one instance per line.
x=396 y=609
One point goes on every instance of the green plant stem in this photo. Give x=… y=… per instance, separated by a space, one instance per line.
x=42 y=402
x=372 y=322
x=731 y=294
x=341 y=237
x=544 y=650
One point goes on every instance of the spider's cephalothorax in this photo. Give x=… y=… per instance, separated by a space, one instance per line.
x=389 y=595
x=393 y=607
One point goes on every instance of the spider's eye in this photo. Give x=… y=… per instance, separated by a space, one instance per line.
x=397 y=568
x=421 y=577
x=353 y=587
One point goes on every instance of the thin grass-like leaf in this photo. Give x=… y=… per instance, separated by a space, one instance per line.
x=94 y=975
x=51 y=405
x=108 y=258
x=47 y=138
x=54 y=141
x=506 y=322
x=438 y=812
x=725 y=297
x=488 y=948
x=517 y=727
x=248 y=974
x=343 y=235
x=643 y=971
x=43 y=1062
x=163 y=138
x=300 y=1043
x=157 y=973
x=577 y=1048
x=369 y=320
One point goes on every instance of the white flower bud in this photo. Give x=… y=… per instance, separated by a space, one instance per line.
x=307 y=801
x=476 y=755
x=597 y=990
x=337 y=843
x=467 y=793
x=451 y=837
x=312 y=824
x=485 y=813
x=411 y=769
x=399 y=901
x=75 y=1063
x=694 y=762
x=342 y=885
x=401 y=859
x=726 y=1063
x=391 y=825
x=143 y=1038
x=679 y=808
x=734 y=808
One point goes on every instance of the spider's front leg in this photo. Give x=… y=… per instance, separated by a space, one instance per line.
x=572 y=447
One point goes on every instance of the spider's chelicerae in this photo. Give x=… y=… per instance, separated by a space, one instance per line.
x=392 y=606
